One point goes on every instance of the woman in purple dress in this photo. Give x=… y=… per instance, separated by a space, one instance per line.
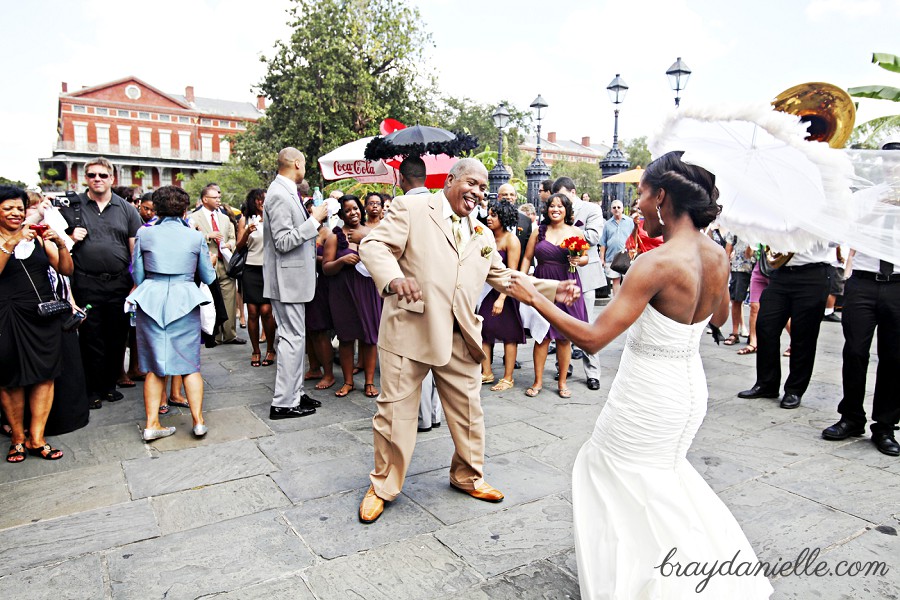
x=553 y=262
x=502 y=322
x=319 y=324
x=355 y=303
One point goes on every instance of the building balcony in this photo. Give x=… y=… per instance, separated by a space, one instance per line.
x=118 y=150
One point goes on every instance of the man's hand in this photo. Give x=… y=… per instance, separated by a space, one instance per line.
x=215 y=236
x=406 y=288
x=567 y=292
x=78 y=234
x=320 y=213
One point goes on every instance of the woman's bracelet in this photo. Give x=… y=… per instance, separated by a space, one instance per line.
x=5 y=251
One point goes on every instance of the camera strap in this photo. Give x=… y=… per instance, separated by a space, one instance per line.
x=27 y=274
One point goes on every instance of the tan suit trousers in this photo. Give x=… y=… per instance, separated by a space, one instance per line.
x=395 y=424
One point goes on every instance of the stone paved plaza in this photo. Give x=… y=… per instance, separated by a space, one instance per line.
x=267 y=509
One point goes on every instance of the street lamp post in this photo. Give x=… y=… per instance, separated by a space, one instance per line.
x=615 y=161
x=678 y=73
x=538 y=170
x=499 y=175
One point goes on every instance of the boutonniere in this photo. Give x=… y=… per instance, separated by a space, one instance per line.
x=479 y=230
x=486 y=251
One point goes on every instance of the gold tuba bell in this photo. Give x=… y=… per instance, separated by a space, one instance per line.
x=830 y=112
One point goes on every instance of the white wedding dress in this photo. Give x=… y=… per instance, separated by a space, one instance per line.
x=635 y=495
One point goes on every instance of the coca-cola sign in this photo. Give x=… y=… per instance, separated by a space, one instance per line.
x=357 y=168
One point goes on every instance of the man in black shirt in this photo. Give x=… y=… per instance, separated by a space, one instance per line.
x=103 y=226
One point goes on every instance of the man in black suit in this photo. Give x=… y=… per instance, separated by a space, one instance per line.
x=507 y=193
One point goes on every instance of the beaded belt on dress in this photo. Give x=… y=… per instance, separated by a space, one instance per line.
x=175 y=277
x=654 y=351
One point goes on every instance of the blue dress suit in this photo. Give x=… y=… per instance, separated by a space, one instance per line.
x=166 y=257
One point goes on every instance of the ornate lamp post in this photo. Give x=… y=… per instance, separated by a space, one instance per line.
x=538 y=170
x=615 y=161
x=499 y=175
x=678 y=73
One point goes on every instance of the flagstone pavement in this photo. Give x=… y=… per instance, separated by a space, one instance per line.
x=268 y=509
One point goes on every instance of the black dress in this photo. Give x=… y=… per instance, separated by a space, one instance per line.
x=30 y=345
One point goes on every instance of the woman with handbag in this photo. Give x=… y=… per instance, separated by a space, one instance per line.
x=259 y=308
x=166 y=258
x=30 y=324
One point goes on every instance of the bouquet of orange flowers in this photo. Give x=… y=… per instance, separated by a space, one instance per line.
x=575 y=246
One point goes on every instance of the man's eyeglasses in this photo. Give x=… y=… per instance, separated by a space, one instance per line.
x=95 y=175
x=616 y=208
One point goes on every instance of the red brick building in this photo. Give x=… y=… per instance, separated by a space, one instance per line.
x=150 y=136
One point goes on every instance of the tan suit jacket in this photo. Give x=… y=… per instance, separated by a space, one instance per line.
x=226 y=228
x=414 y=240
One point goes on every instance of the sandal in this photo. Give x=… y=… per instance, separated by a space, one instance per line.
x=164 y=409
x=732 y=339
x=126 y=383
x=269 y=361
x=748 y=349
x=533 y=391
x=254 y=362
x=345 y=389
x=502 y=385
x=487 y=378
x=787 y=352
x=179 y=403
x=370 y=394
x=16 y=453
x=46 y=452
x=565 y=392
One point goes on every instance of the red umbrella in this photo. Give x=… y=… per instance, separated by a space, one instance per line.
x=436 y=168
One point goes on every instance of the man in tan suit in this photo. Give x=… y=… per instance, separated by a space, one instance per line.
x=219 y=232
x=431 y=258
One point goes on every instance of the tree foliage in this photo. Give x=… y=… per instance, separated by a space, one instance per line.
x=13 y=182
x=637 y=152
x=235 y=180
x=586 y=176
x=870 y=134
x=347 y=65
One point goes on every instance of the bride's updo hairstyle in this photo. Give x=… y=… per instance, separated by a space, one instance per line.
x=692 y=189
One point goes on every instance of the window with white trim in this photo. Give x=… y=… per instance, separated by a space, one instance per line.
x=144 y=139
x=165 y=143
x=206 y=151
x=102 y=137
x=80 y=136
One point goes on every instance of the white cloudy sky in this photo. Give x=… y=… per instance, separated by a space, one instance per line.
x=566 y=50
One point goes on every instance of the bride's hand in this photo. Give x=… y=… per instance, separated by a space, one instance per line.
x=520 y=287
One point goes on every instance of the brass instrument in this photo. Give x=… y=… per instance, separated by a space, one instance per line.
x=830 y=112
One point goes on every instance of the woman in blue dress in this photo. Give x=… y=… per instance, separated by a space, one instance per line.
x=167 y=257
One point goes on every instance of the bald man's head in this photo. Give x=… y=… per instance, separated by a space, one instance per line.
x=292 y=164
x=507 y=193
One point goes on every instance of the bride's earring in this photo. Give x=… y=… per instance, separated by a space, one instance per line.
x=659 y=216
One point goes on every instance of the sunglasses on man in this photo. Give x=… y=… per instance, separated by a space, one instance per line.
x=95 y=175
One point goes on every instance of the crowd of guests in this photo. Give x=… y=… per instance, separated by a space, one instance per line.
x=167 y=258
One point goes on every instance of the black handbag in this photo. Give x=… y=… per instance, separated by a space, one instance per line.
x=51 y=308
x=235 y=268
x=621 y=262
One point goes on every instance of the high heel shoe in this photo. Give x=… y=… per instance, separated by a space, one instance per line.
x=154 y=434
x=200 y=430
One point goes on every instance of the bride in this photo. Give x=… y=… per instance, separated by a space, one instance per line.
x=646 y=523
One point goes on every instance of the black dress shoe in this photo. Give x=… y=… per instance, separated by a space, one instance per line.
x=113 y=396
x=842 y=430
x=551 y=347
x=885 y=442
x=95 y=403
x=593 y=384
x=517 y=365
x=236 y=340
x=307 y=402
x=577 y=354
x=292 y=412
x=757 y=392
x=568 y=373
x=423 y=429
x=790 y=401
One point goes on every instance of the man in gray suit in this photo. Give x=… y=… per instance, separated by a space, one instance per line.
x=289 y=273
x=589 y=218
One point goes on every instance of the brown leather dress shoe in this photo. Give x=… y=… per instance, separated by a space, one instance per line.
x=483 y=492
x=371 y=507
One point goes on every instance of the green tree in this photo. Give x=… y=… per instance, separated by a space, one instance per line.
x=347 y=65
x=15 y=182
x=636 y=151
x=235 y=180
x=870 y=133
x=586 y=176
